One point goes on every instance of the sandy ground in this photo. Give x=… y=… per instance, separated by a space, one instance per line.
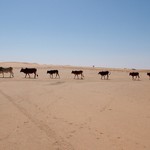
x=71 y=114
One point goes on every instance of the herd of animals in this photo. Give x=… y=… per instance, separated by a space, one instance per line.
x=77 y=73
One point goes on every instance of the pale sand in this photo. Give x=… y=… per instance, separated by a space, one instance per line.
x=68 y=114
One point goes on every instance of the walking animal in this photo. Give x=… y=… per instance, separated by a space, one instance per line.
x=104 y=73
x=7 y=70
x=29 y=71
x=135 y=75
x=77 y=73
x=148 y=75
x=51 y=72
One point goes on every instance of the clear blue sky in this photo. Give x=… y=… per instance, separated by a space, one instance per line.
x=104 y=33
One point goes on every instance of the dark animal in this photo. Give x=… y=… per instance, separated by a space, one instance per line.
x=104 y=73
x=77 y=73
x=7 y=70
x=148 y=75
x=134 y=75
x=51 y=72
x=29 y=71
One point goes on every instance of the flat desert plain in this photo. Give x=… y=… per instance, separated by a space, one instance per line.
x=73 y=114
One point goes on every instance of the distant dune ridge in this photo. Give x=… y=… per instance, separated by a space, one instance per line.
x=28 y=64
x=18 y=64
x=73 y=114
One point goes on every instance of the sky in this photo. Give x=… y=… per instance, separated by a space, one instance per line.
x=104 y=33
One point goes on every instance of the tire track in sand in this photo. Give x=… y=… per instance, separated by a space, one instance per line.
x=59 y=142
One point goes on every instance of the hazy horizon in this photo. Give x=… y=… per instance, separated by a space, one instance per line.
x=103 y=33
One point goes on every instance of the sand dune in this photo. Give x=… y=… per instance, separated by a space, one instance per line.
x=72 y=114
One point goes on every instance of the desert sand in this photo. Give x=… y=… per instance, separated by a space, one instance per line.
x=72 y=114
